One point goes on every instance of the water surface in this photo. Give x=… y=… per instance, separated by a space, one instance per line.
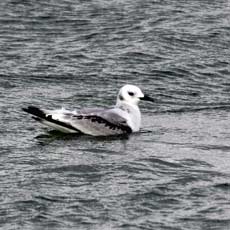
x=175 y=173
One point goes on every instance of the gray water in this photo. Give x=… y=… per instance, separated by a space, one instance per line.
x=174 y=174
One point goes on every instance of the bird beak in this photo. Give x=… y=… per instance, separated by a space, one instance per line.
x=147 y=98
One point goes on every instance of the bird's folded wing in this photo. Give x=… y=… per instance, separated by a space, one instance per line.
x=104 y=121
x=98 y=122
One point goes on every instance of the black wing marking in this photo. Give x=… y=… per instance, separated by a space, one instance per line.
x=101 y=120
x=39 y=115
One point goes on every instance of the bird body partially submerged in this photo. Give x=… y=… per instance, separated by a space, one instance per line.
x=124 y=118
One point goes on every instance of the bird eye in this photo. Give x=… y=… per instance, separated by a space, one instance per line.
x=131 y=93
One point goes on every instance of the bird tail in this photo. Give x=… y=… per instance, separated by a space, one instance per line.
x=47 y=119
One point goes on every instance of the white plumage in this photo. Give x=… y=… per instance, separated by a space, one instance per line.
x=124 y=117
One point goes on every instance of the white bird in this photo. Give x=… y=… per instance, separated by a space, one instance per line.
x=123 y=118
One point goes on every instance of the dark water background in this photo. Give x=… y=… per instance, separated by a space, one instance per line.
x=175 y=173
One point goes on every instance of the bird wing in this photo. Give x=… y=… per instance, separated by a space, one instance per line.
x=97 y=122
x=100 y=122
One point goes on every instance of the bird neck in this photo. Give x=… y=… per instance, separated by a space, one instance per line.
x=124 y=105
x=133 y=112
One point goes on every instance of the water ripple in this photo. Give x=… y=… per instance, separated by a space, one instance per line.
x=174 y=174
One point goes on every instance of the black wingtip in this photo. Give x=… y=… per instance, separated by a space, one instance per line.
x=34 y=111
x=25 y=110
x=40 y=116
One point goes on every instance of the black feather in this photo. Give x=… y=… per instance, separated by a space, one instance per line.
x=39 y=115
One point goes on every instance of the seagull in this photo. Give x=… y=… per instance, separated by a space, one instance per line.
x=123 y=118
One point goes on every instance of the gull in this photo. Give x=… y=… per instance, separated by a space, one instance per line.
x=123 y=118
